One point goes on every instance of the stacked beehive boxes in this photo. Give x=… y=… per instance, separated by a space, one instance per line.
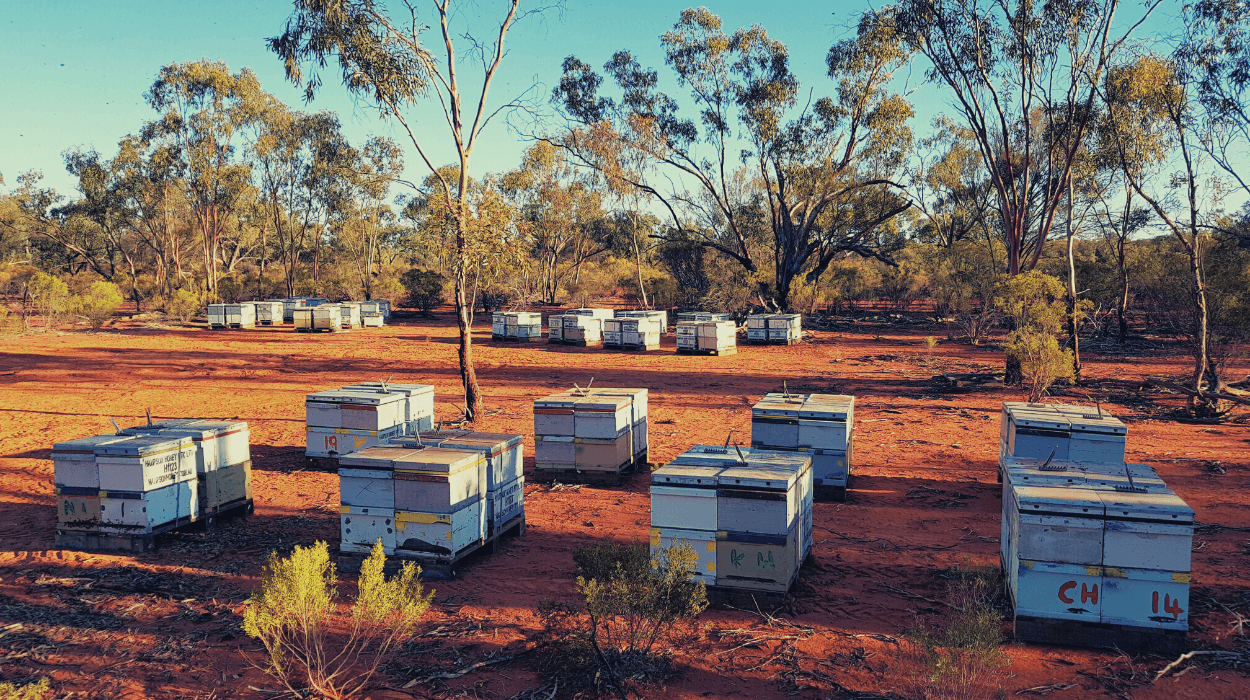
x=702 y=316
x=1095 y=551
x=707 y=337
x=426 y=500
x=590 y=433
x=641 y=333
x=504 y=491
x=349 y=314
x=746 y=513
x=662 y=316
x=269 y=313
x=579 y=327
x=309 y=319
x=517 y=326
x=116 y=491
x=373 y=314
x=241 y=315
x=290 y=305
x=775 y=329
x=822 y=425
x=223 y=461
x=217 y=316
x=347 y=420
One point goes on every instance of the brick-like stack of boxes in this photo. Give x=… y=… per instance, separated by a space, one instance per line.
x=349 y=314
x=775 y=329
x=1096 y=551
x=342 y=421
x=822 y=425
x=430 y=495
x=373 y=314
x=327 y=317
x=116 y=491
x=579 y=327
x=661 y=316
x=596 y=432
x=517 y=326
x=746 y=513
x=641 y=333
x=707 y=337
x=269 y=313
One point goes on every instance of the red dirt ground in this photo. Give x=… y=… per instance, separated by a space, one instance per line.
x=924 y=498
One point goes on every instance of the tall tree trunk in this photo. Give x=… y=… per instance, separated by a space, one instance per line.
x=1122 y=263
x=642 y=287
x=1074 y=340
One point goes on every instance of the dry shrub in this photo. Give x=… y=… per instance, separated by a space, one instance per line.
x=98 y=302
x=310 y=647
x=1042 y=362
x=31 y=691
x=183 y=304
x=960 y=656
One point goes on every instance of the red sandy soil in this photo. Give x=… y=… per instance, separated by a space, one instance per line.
x=923 y=499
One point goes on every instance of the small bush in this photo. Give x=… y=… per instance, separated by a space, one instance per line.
x=425 y=288
x=632 y=600
x=31 y=691
x=294 y=614
x=961 y=656
x=1042 y=362
x=50 y=297
x=494 y=297
x=98 y=303
x=183 y=304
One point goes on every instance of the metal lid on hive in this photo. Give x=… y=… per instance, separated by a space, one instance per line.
x=378 y=457
x=1059 y=500
x=144 y=445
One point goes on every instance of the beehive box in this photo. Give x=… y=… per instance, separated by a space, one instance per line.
x=661 y=316
x=374 y=320
x=555 y=328
x=640 y=333
x=581 y=330
x=504 y=454
x=335 y=442
x=148 y=512
x=349 y=314
x=241 y=315
x=374 y=306
x=222 y=459
x=518 y=326
x=145 y=463
x=217 y=316
x=74 y=465
x=700 y=316
x=707 y=337
x=290 y=305
x=356 y=409
x=1075 y=433
x=418 y=408
x=318 y=318
x=747 y=513
x=820 y=424
x=601 y=430
x=686 y=336
x=269 y=313
x=1095 y=554
x=785 y=329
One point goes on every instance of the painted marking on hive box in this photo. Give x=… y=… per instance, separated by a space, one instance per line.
x=1169 y=605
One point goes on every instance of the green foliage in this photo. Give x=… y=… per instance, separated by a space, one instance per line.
x=50 y=296
x=1034 y=302
x=98 y=303
x=31 y=691
x=1042 y=362
x=425 y=288
x=295 y=616
x=960 y=656
x=183 y=304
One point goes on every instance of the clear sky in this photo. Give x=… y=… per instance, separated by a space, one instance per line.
x=75 y=71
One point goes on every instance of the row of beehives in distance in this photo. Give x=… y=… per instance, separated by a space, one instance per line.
x=590 y=434
x=1095 y=550
x=642 y=330
x=746 y=513
x=433 y=494
x=305 y=313
x=340 y=421
x=116 y=491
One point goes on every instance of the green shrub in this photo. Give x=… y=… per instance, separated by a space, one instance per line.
x=295 y=615
x=1042 y=362
x=31 y=691
x=50 y=296
x=183 y=304
x=98 y=303
x=960 y=656
x=425 y=288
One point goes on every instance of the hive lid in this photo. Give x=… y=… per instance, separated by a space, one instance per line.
x=431 y=438
x=1121 y=481
x=1033 y=472
x=758 y=476
x=406 y=389
x=1159 y=507
x=159 y=425
x=87 y=445
x=377 y=457
x=437 y=459
x=1089 y=421
x=673 y=474
x=778 y=405
x=143 y=445
x=355 y=397
x=502 y=441
x=604 y=403
x=220 y=426
x=560 y=400
x=1042 y=418
x=1058 y=500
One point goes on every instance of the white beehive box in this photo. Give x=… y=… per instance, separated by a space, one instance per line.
x=504 y=453
x=335 y=442
x=327 y=318
x=418 y=410
x=581 y=330
x=437 y=480
x=524 y=326
x=661 y=316
x=600 y=314
x=639 y=333
x=504 y=503
x=216 y=316
x=74 y=462
x=367 y=477
x=440 y=533
x=241 y=315
x=702 y=542
x=372 y=320
x=601 y=429
x=701 y=316
x=290 y=305
x=139 y=513
x=612 y=332
x=1036 y=431
x=757 y=328
x=497 y=325
x=269 y=313
x=785 y=328
x=555 y=328
x=555 y=452
x=349 y=314
x=717 y=335
x=683 y=497
x=687 y=335
x=145 y=463
x=356 y=409
x=362 y=527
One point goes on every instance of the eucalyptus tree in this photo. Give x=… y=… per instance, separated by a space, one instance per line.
x=1150 y=112
x=362 y=217
x=148 y=181
x=385 y=60
x=1023 y=77
x=104 y=204
x=206 y=115
x=760 y=165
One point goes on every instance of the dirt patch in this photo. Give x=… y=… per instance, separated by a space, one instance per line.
x=924 y=499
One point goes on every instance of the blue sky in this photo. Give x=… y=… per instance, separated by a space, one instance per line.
x=76 y=71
